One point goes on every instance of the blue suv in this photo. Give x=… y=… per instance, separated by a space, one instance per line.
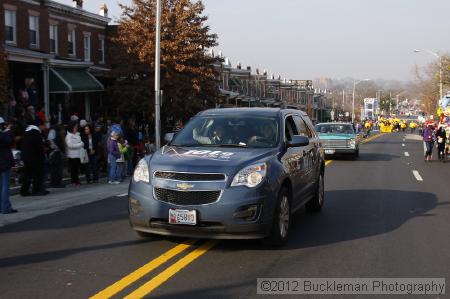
x=238 y=173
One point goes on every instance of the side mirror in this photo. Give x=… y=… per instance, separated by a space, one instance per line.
x=298 y=141
x=169 y=137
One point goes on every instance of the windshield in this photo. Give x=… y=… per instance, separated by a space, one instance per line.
x=229 y=131
x=335 y=129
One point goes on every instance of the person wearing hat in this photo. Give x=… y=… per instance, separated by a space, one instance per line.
x=6 y=163
x=33 y=157
x=114 y=175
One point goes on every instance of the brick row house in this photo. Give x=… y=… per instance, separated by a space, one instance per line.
x=56 y=55
x=241 y=87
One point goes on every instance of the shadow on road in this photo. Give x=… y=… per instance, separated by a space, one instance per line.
x=371 y=157
x=376 y=157
x=107 y=210
x=349 y=215
x=15 y=261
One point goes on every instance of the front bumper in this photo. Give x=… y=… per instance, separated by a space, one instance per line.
x=214 y=220
x=340 y=151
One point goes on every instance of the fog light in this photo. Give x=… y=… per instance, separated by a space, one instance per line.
x=135 y=206
x=248 y=213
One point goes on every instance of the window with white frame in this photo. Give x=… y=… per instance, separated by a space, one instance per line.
x=87 y=47
x=101 y=49
x=53 y=38
x=10 y=26
x=33 y=22
x=71 y=41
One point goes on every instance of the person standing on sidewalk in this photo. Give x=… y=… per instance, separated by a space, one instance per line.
x=6 y=163
x=55 y=160
x=33 y=157
x=74 y=145
x=428 y=139
x=91 y=142
x=114 y=155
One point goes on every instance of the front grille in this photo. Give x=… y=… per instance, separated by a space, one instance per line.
x=335 y=143
x=193 y=177
x=186 y=197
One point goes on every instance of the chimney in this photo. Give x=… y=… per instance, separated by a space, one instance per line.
x=104 y=11
x=78 y=3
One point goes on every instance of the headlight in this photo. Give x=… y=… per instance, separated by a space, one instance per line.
x=352 y=143
x=141 y=173
x=250 y=176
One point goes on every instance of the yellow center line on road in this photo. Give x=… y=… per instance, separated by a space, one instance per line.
x=372 y=138
x=142 y=271
x=158 y=280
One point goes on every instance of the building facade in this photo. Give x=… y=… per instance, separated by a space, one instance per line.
x=56 y=54
x=242 y=87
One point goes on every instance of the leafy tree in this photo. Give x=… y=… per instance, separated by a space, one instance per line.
x=188 y=78
x=387 y=104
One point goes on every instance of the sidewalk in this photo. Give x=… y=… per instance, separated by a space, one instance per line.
x=60 y=199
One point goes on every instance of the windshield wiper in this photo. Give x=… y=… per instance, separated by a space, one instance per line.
x=230 y=145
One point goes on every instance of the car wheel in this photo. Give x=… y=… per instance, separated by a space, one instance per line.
x=315 y=204
x=281 y=220
x=357 y=153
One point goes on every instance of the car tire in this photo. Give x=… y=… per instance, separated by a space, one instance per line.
x=281 y=220
x=316 y=203
x=357 y=153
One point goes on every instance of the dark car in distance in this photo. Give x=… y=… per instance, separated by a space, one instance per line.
x=237 y=173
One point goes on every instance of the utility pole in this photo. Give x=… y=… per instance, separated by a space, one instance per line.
x=158 y=76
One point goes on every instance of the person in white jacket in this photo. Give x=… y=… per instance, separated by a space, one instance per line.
x=73 y=152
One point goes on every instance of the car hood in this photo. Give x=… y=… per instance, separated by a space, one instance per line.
x=207 y=159
x=336 y=136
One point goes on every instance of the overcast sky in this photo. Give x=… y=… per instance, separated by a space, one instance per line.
x=305 y=39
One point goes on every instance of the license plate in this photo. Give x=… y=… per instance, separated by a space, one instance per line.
x=329 y=152
x=188 y=217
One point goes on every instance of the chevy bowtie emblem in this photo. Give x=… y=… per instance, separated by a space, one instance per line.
x=185 y=186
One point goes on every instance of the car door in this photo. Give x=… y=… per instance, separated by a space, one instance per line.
x=292 y=161
x=309 y=157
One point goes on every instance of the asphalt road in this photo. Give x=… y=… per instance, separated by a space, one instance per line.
x=379 y=220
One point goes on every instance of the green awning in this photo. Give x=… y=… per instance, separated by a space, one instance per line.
x=71 y=80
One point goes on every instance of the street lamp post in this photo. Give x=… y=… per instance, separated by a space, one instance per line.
x=440 y=69
x=158 y=76
x=353 y=97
